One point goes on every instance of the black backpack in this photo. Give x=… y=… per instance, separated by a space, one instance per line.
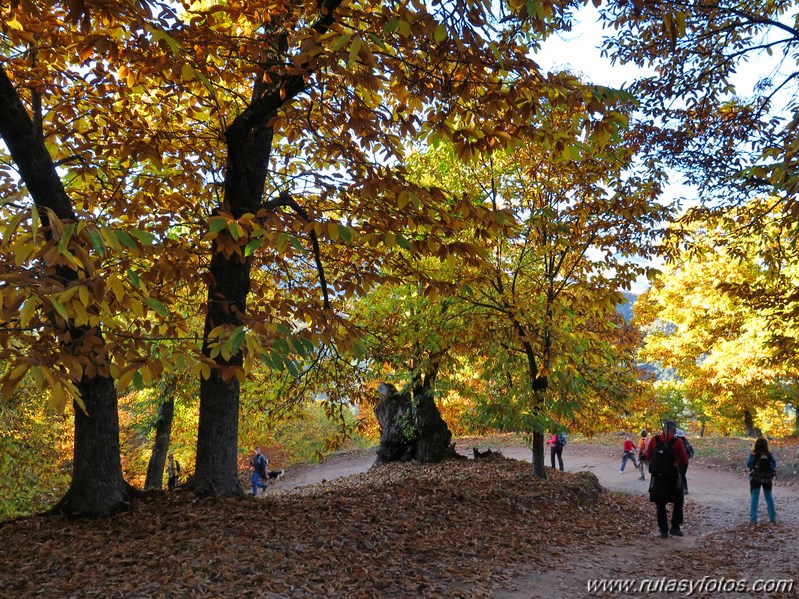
x=762 y=472
x=689 y=449
x=661 y=464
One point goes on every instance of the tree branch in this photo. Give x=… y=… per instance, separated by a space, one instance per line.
x=286 y=200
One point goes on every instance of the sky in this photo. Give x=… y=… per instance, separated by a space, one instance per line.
x=579 y=51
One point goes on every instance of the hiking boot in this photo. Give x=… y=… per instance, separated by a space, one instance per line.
x=664 y=535
x=675 y=532
x=641 y=478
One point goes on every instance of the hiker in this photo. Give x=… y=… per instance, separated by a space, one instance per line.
x=689 y=451
x=628 y=453
x=172 y=472
x=259 y=465
x=556 y=443
x=665 y=454
x=642 y=454
x=762 y=470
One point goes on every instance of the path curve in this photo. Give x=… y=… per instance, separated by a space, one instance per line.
x=716 y=510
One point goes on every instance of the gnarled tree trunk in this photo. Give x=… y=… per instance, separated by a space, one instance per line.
x=411 y=429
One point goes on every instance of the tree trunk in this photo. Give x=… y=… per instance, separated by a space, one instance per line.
x=433 y=436
x=749 y=423
x=163 y=434
x=97 y=487
x=538 y=455
x=397 y=436
x=249 y=148
x=216 y=470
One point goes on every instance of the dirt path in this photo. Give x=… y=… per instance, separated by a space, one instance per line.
x=717 y=534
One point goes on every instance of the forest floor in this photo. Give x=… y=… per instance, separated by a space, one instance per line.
x=463 y=528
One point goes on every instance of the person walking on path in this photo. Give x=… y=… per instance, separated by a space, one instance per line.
x=172 y=472
x=665 y=454
x=642 y=454
x=628 y=453
x=556 y=443
x=259 y=465
x=689 y=451
x=762 y=469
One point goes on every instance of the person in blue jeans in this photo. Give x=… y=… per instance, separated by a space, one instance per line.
x=628 y=453
x=761 y=476
x=259 y=465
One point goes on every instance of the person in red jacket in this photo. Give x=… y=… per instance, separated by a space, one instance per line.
x=628 y=453
x=666 y=454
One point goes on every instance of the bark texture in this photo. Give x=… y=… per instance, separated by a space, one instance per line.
x=410 y=429
x=163 y=435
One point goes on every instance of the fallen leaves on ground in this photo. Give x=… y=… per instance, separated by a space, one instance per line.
x=456 y=529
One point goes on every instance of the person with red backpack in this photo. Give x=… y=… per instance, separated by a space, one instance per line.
x=762 y=470
x=665 y=455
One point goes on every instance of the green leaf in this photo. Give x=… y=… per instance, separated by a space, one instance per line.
x=236 y=339
x=359 y=349
x=340 y=42
x=252 y=245
x=125 y=239
x=138 y=381
x=144 y=237
x=292 y=368
x=63 y=243
x=134 y=278
x=440 y=33
x=355 y=48
x=97 y=241
x=345 y=233
x=217 y=224
x=62 y=311
x=158 y=307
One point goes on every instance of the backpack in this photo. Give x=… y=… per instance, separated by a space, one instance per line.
x=562 y=439
x=259 y=463
x=689 y=449
x=762 y=472
x=661 y=465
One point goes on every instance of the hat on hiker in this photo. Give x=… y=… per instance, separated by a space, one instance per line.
x=669 y=425
x=680 y=433
x=643 y=433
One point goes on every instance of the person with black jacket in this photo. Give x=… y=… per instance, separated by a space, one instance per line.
x=665 y=455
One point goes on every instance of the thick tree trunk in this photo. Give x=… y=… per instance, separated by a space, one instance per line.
x=97 y=486
x=216 y=470
x=249 y=147
x=411 y=429
x=163 y=434
x=397 y=436
x=538 y=455
x=433 y=436
x=749 y=424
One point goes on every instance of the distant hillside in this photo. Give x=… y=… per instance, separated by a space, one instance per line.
x=626 y=308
